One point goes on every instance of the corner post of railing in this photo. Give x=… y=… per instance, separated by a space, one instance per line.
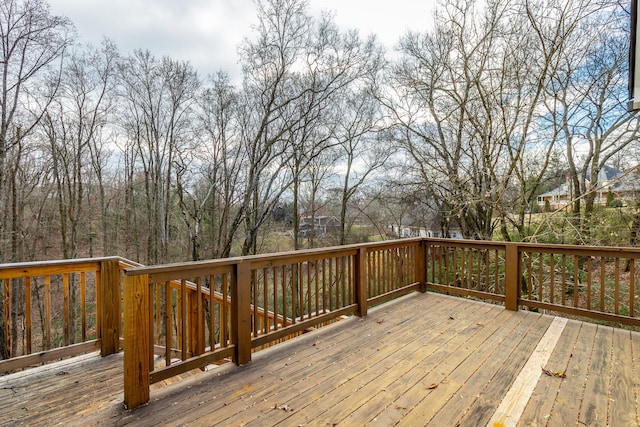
x=109 y=306
x=511 y=276
x=137 y=334
x=241 y=312
x=361 y=280
x=421 y=264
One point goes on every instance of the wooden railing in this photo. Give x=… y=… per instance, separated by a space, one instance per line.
x=58 y=309
x=594 y=282
x=185 y=316
x=264 y=299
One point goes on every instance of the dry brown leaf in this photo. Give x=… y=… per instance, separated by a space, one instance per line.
x=558 y=374
x=432 y=386
x=285 y=408
x=380 y=321
x=315 y=344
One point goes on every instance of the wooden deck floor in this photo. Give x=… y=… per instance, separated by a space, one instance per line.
x=425 y=359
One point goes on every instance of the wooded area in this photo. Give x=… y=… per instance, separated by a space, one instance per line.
x=139 y=156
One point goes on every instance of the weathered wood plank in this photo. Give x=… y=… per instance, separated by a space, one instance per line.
x=595 y=401
x=379 y=367
x=315 y=362
x=540 y=404
x=512 y=406
x=622 y=399
x=339 y=401
x=486 y=386
x=381 y=407
x=450 y=375
x=568 y=400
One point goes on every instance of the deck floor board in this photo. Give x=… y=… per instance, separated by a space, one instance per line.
x=423 y=359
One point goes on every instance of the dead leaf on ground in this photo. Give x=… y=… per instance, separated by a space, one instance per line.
x=315 y=344
x=380 y=321
x=285 y=408
x=432 y=386
x=451 y=318
x=558 y=374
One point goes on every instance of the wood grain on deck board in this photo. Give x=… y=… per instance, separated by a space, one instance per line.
x=422 y=359
x=515 y=401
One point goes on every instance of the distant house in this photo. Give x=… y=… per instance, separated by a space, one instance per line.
x=611 y=179
x=408 y=231
x=318 y=226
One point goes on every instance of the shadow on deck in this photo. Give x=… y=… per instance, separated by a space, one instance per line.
x=423 y=359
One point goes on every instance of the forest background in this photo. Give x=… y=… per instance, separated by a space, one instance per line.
x=461 y=128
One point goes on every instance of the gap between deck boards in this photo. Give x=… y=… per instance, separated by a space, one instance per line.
x=515 y=401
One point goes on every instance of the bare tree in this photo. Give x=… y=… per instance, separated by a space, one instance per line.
x=293 y=69
x=159 y=96
x=32 y=42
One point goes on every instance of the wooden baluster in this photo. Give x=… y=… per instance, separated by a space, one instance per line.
x=83 y=305
x=27 y=284
x=66 y=326
x=632 y=286
x=576 y=280
x=47 y=311
x=224 y=327
x=168 y=322
x=589 y=279
x=552 y=278
x=564 y=278
x=361 y=282
x=603 y=261
x=7 y=316
x=616 y=287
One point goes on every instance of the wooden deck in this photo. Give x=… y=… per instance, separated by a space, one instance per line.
x=424 y=359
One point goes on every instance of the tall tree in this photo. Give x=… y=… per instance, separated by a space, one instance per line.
x=159 y=96
x=32 y=41
x=293 y=68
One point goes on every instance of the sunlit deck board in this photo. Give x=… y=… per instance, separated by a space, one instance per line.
x=379 y=370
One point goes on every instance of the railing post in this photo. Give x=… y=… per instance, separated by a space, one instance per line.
x=361 y=282
x=109 y=307
x=241 y=312
x=421 y=264
x=136 y=341
x=511 y=276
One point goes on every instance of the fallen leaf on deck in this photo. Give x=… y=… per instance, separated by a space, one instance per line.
x=315 y=344
x=380 y=321
x=451 y=318
x=432 y=386
x=285 y=408
x=558 y=374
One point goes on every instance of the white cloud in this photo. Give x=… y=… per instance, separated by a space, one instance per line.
x=207 y=32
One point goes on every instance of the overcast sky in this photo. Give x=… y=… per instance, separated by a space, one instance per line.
x=207 y=32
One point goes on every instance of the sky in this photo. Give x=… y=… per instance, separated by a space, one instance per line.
x=207 y=32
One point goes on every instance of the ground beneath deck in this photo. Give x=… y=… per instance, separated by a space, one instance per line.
x=424 y=359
